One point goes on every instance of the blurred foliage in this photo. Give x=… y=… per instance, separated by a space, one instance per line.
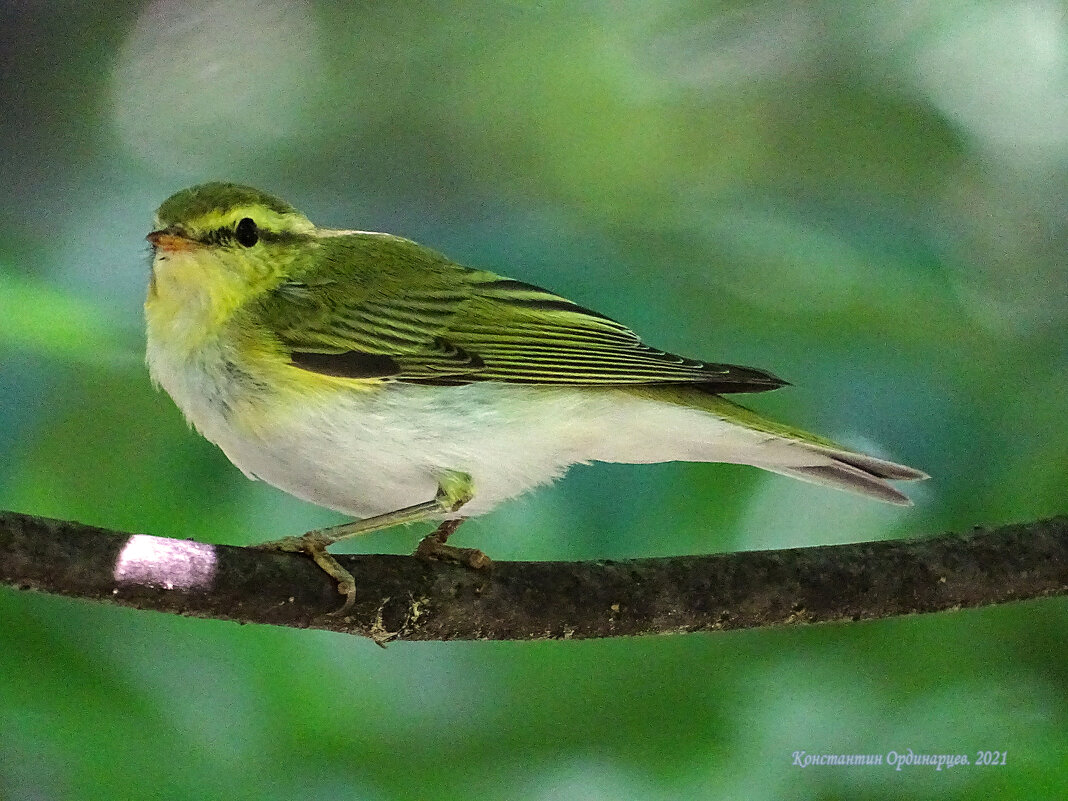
x=867 y=199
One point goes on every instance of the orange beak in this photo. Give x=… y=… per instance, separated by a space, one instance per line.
x=171 y=242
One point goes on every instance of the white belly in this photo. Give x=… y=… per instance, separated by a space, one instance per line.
x=366 y=453
x=369 y=451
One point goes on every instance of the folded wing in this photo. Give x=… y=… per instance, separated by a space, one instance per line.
x=450 y=325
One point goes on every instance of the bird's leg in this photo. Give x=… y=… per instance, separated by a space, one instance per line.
x=433 y=546
x=454 y=490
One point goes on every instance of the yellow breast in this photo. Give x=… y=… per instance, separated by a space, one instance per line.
x=223 y=371
x=190 y=300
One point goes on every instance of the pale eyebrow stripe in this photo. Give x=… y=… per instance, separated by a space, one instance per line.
x=329 y=232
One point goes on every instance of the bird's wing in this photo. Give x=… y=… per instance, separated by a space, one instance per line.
x=447 y=324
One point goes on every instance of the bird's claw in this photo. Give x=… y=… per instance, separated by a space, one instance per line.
x=314 y=545
x=431 y=547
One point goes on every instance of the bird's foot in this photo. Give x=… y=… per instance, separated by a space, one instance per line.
x=314 y=545
x=454 y=490
x=433 y=546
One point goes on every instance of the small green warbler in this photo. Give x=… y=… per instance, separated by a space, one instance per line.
x=369 y=374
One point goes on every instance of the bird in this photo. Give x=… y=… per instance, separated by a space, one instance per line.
x=374 y=376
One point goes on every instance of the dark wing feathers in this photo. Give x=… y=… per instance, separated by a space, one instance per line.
x=451 y=325
x=347 y=364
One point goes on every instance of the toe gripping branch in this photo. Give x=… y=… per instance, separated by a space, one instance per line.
x=455 y=489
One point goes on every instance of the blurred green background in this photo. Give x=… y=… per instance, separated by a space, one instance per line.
x=869 y=200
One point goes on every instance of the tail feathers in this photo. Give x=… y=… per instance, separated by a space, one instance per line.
x=841 y=475
x=819 y=463
x=690 y=425
x=880 y=468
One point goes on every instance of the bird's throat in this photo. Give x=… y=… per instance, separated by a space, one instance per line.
x=190 y=300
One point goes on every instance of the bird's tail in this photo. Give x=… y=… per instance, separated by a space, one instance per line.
x=727 y=432
x=820 y=461
x=855 y=472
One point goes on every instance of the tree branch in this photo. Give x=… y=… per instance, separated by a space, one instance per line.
x=402 y=597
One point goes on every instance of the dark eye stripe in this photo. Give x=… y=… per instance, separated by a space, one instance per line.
x=284 y=236
x=225 y=236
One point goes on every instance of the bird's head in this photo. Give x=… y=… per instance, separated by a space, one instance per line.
x=215 y=247
x=221 y=216
x=224 y=237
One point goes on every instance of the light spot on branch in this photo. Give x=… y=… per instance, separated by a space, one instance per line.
x=171 y=564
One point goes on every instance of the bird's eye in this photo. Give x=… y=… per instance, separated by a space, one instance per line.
x=247 y=233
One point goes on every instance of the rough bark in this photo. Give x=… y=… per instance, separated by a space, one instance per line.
x=402 y=597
